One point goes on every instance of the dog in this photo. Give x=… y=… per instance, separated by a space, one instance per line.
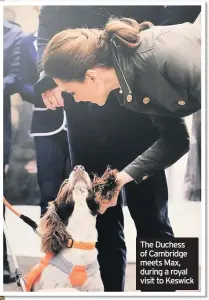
x=68 y=237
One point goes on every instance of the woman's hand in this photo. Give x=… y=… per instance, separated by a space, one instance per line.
x=122 y=178
x=53 y=98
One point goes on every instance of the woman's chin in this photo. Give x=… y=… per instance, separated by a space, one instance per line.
x=101 y=104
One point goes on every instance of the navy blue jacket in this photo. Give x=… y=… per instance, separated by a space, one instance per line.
x=12 y=38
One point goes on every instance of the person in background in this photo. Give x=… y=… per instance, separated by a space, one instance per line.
x=180 y=14
x=193 y=171
x=11 y=42
x=99 y=136
x=48 y=128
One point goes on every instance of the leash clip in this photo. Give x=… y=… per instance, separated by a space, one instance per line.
x=72 y=243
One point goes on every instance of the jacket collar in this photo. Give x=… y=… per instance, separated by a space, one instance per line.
x=124 y=69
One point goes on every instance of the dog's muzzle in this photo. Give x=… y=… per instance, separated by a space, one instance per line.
x=79 y=168
x=79 y=173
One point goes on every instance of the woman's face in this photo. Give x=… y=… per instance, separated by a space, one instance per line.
x=93 y=89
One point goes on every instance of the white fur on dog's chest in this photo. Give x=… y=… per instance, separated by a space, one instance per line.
x=82 y=226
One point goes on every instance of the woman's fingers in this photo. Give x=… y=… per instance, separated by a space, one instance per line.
x=58 y=94
x=47 y=101
x=53 y=98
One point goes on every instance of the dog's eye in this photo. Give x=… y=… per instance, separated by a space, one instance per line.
x=82 y=168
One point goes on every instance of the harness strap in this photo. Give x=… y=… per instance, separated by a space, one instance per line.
x=77 y=274
x=60 y=262
x=80 y=245
x=34 y=275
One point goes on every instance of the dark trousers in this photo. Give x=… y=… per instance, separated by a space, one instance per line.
x=5 y=260
x=111 y=248
x=148 y=206
x=52 y=155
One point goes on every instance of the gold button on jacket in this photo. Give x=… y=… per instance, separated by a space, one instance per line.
x=146 y=100
x=129 y=98
x=144 y=177
x=181 y=102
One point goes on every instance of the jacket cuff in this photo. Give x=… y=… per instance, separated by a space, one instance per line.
x=136 y=173
x=44 y=84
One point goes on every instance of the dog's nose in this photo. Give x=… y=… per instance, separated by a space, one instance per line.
x=79 y=167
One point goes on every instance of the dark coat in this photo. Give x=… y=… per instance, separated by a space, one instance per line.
x=164 y=82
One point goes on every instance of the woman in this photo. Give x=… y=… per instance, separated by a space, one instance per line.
x=155 y=71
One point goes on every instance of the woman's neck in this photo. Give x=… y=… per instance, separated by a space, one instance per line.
x=112 y=80
x=109 y=78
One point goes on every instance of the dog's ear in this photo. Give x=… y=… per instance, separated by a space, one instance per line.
x=53 y=223
x=64 y=203
x=65 y=209
x=54 y=236
x=93 y=205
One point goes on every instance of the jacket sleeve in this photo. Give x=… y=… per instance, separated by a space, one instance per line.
x=172 y=144
x=180 y=62
x=10 y=81
x=25 y=87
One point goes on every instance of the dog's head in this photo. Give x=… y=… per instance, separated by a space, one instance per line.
x=77 y=187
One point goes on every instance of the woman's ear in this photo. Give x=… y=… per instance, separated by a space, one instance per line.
x=92 y=75
x=54 y=236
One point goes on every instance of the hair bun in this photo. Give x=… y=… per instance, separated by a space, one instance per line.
x=125 y=30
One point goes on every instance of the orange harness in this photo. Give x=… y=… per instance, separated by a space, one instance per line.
x=77 y=276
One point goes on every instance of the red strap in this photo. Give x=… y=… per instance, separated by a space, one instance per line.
x=34 y=275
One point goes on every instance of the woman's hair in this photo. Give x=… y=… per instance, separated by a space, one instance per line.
x=72 y=52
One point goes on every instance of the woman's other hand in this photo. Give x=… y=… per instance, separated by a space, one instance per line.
x=122 y=178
